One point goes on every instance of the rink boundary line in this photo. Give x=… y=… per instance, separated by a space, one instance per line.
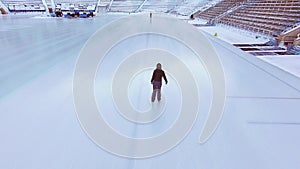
x=273 y=123
x=263 y=97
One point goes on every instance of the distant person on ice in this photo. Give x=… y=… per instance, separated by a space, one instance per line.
x=156 y=81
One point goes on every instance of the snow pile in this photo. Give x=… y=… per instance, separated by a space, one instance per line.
x=188 y=7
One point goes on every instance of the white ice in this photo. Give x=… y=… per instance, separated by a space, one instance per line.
x=39 y=126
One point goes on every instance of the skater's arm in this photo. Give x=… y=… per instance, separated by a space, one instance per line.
x=152 y=76
x=165 y=78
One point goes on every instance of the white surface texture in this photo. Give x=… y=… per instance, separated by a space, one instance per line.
x=39 y=126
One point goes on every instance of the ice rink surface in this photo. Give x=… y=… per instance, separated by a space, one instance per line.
x=39 y=127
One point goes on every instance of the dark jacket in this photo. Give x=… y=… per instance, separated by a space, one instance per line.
x=158 y=74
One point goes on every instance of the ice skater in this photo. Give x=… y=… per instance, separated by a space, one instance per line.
x=156 y=81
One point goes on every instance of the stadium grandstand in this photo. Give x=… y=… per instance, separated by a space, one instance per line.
x=277 y=19
x=22 y=6
x=267 y=17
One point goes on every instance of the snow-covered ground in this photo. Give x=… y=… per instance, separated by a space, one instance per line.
x=236 y=36
x=289 y=63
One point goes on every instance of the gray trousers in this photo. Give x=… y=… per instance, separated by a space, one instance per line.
x=156 y=92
